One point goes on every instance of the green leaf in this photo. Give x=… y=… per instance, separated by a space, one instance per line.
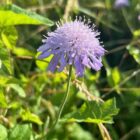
x=19 y=51
x=20 y=132
x=82 y=134
x=113 y=76
x=135 y=52
x=14 y=15
x=9 y=36
x=14 y=105
x=3 y=133
x=5 y=62
x=26 y=115
x=109 y=109
x=18 y=89
x=94 y=112
x=3 y=80
x=116 y=76
x=3 y=103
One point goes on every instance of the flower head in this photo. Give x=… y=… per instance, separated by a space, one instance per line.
x=73 y=43
x=121 y=3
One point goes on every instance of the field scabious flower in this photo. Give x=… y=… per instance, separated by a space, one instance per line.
x=121 y=3
x=73 y=43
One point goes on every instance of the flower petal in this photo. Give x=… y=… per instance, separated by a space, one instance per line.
x=85 y=61
x=53 y=63
x=43 y=48
x=74 y=42
x=62 y=62
x=96 y=65
x=45 y=54
x=79 y=67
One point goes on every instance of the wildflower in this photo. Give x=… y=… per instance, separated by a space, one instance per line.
x=121 y=3
x=73 y=43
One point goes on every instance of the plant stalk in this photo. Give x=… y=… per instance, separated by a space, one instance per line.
x=65 y=97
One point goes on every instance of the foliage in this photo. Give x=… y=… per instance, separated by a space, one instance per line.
x=94 y=112
x=101 y=105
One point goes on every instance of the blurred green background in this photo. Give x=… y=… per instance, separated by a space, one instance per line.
x=30 y=96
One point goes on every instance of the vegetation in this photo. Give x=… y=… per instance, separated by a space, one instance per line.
x=101 y=105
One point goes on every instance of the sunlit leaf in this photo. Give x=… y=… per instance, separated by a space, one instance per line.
x=20 y=51
x=116 y=75
x=18 y=89
x=9 y=36
x=14 y=15
x=113 y=76
x=3 y=80
x=14 y=105
x=6 y=67
x=135 y=52
x=28 y=116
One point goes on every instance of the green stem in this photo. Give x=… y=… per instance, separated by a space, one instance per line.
x=104 y=132
x=65 y=97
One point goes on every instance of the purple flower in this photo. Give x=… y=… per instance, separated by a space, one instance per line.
x=73 y=43
x=121 y=3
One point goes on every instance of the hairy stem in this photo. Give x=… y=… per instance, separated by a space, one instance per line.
x=65 y=97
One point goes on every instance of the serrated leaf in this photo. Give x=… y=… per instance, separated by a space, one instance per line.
x=20 y=132
x=109 y=109
x=18 y=89
x=14 y=15
x=28 y=116
x=3 y=133
x=94 y=112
